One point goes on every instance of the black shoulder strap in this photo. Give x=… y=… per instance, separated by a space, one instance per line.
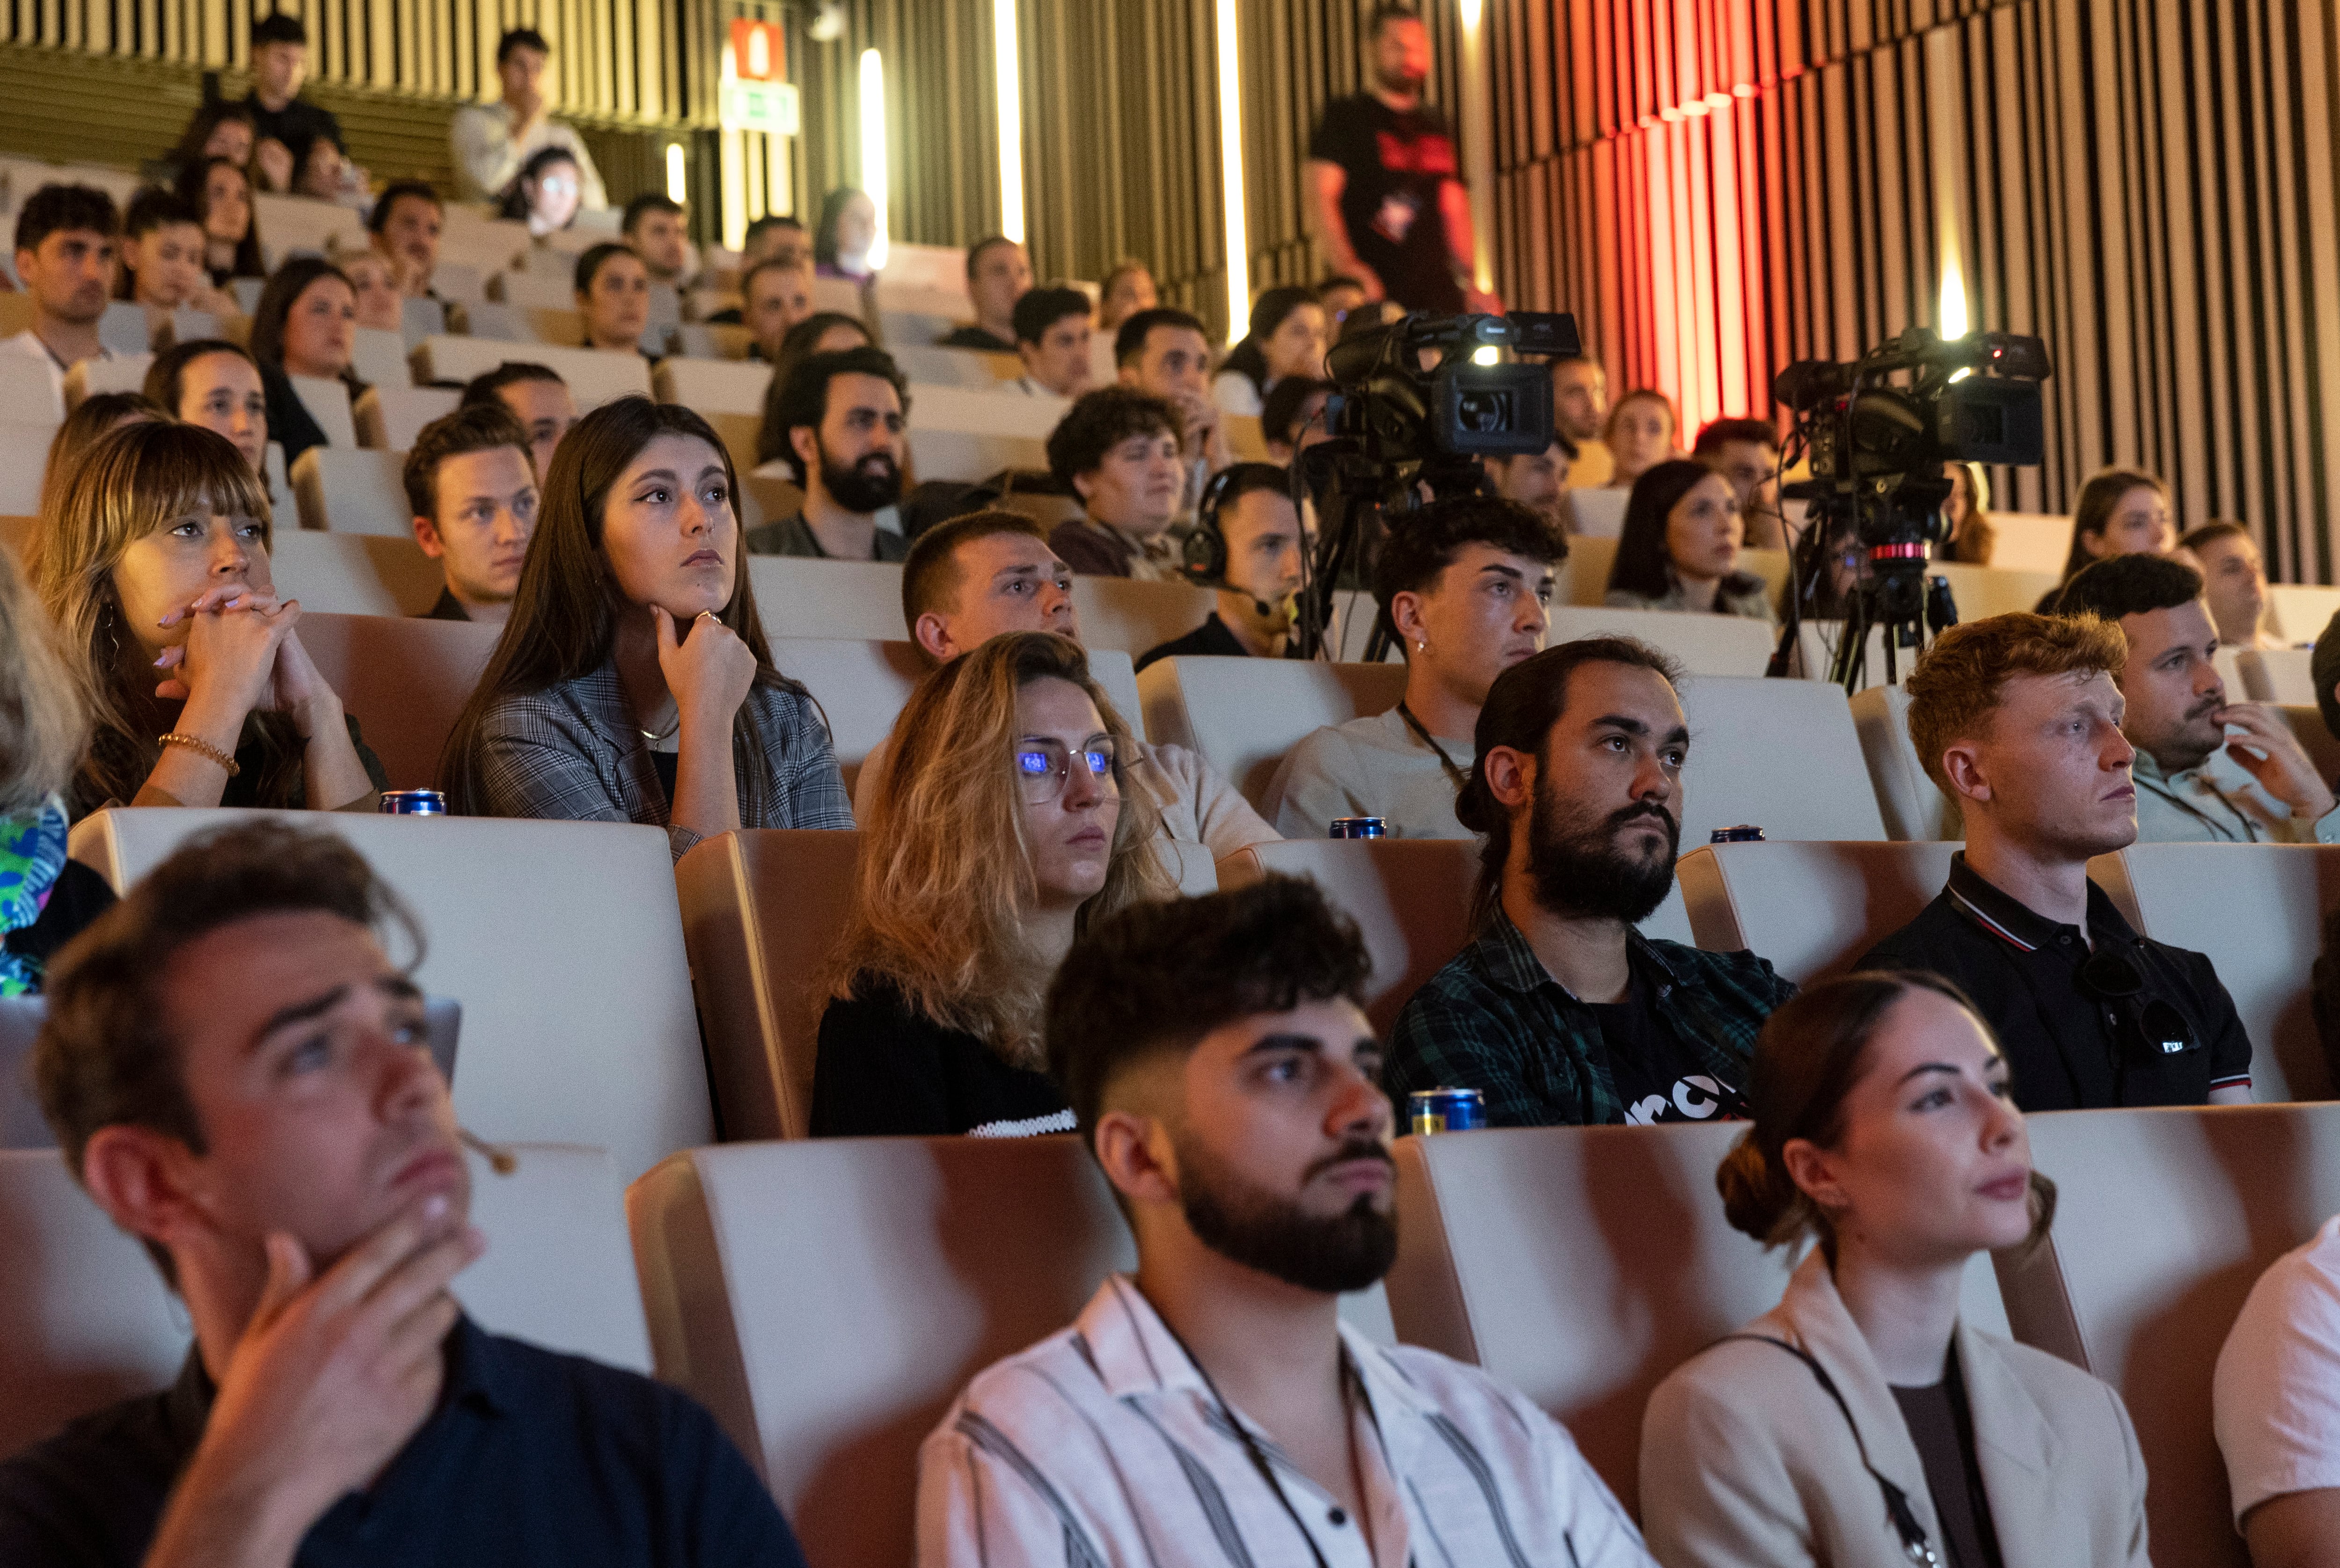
x=1897 y=1502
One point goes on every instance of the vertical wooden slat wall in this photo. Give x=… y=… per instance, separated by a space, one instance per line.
x=1719 y=187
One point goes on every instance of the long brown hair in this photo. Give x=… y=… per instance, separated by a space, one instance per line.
x=564 y=614
x=946 y=866
x=134 y=481
x=44 y=713
x=92 y=419
x=2097 y=500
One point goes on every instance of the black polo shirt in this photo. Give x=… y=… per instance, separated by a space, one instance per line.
x=2063 y=1045
x=531 y=1457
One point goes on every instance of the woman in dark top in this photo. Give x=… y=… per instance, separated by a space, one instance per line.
x=1000 y=826
x=306 y=325
x=1679 y=546
x=155 y=571
x=1860 y=1421
x=44 y=899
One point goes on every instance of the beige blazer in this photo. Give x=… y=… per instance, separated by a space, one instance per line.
x=1746 y=1460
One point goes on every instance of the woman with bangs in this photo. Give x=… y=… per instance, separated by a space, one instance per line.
x=1000 y=828
x=155 y=567
x=633 y=682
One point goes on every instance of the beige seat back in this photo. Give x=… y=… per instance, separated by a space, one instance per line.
x=965 y=456
x=856 y=600
x=1582 y=1265
x=2258 y=911
x=1812 y=908
x=989 y=411
x=595 y=376
x=1244 y=714
x=350 y=490
x=1600 y=514
x=728 y=386
x=23 y=457
x=761 y=911
x=533 y=289
x=1911 y=805
x=379 y=357
x=389 y=417
x=2301 y=611
x=353 y=573
x=1411 y=899
x=1135 y=617
x=929 y=366
x=828 y=1298
x=89 y=1320
x=2164 y=1221
x=1583 y=578
x=405 y=679
x=328 y=402
x=2278 y=675
x=842 y=295
x=561 y=940
x=1705 y=644
x=1982 y=591
x=1781 y=755
x=125 y=373
x=2030 y=541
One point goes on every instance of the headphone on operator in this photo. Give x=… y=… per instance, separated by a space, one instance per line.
x=1204 y=555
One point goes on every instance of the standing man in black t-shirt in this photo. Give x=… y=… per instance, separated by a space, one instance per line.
x=284 y=122
x=1389 y=202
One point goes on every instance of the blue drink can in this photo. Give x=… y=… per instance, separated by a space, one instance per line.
x=1445 y=1110
x=413 y=803
x=1358 y=828
x=1742 y=834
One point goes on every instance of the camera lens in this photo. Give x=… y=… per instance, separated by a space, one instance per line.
x=1484 y=412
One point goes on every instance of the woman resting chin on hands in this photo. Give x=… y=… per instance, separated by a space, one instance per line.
x=155 y=567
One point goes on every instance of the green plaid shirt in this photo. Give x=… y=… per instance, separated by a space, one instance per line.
x=1493 y=1021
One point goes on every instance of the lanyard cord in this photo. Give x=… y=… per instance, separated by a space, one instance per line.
x=1454 y=769
x=1252 y=1449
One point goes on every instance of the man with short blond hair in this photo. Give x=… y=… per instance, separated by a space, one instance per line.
x=2018 y=720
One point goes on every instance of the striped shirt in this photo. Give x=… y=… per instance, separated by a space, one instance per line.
x=1102 y=1445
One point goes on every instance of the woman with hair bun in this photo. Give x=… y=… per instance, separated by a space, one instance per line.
x=1860 y=1421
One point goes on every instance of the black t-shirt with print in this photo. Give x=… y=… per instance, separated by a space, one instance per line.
x=1396 y=165
x=1657 y=1079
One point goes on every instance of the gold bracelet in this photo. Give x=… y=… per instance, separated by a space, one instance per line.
x=202 y=748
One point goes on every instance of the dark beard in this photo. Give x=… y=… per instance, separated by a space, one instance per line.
x=856 y=491
x=1329 y=1255
x=1578 y=870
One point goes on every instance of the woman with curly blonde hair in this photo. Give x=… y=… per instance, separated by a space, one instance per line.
x=1000 y=828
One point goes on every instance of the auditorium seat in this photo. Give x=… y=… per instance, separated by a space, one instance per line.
x=842 y=295
x=740 y=432
x=595 y=376
x=2301 y=611
x=965 y=456
x=1982 y=591
x=1582 y=1265
x=713 y=341
x=862 y=601
x=926 y=365
x=712 y=385
x=2278 y=675
x=125 y=373
x=984 y=412
x=351 y=491
x=2030 y=541
x=1912 y=807
x=89 y=1321
x=291 y=226
x=2228 y=663
x=388 y=418
x=327 y=398
x=418 y=320
x=379 y=358
x=560 y=939
x=2164 y=1219
x=828 y=1298
x=1244 y=437
x=124 y=327
x=489 y=322
x=30 y=400
x=2307 y=723
x=2258 y=911
x=1600 y=514
x=1244 y=714
x=353 y=573
x=17 y=534
x=1705 y=644
x=24 y=458
x=1411 y=899
x=1132 y=616
x=1811 y=907
x=560 y=324
x=405 y=678
x=530 y=290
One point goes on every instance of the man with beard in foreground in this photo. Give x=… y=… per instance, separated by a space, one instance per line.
x=1212 y=1408
x=1560 y=1012
x=845 y=414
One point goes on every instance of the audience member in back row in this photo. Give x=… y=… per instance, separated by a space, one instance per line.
x=1117 y=449
x=1001 y=825
x=470 y=486
x=777 y=294
x=1883 y=1130
x=65 y=237
x=843 y=415
x=1166 y=353
x=1560 y=1012
x=283 y=123
x=613 y=295
x=1293 y=418
x=373 y=282
x=218 y=129
x=156 y=569
x=492 y=143
x=1643 y=430
x=632 y=682
x=2017 y=719
x=1746 y=452
x=94 y=419
x=163 y=259
x=305 y=325
x=656 y=227
x=1966 y=515
x=537 y=397
x=1580 y=411
x=1213 y=1406
x=822 y=332
x=221 y=193
x=2234 y=584
x=1286 y=339
x=1128 y=288
x=545 y=193
x=403 y=229
x=1538 y=481
x=233 y=1066
x=45 y=898
x=1247 y=544
x=2120 y=511
x=2193 y=782
x=1464 y=584
x=997 y=275
x=991 y=572
x=1052 y=338
x=847 y=230
x=2276 y=1407
x=215 y=383
x=1678 y=548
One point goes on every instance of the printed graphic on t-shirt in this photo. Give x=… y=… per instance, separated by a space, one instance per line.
x=1395 y=216
x=1695 y=1098
x=1428 y=154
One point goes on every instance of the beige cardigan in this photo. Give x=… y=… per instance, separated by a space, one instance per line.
x=1745 y=1459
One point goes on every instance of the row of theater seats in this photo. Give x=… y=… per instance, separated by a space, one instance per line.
x=828 y=1299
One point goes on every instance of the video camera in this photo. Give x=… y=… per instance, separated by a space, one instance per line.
x=1876 y=451
x=1403 y=434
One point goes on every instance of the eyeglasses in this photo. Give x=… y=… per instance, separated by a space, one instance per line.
x=1042 y=765
x=2150 y=1031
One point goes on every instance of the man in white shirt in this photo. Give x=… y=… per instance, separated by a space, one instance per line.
x=2207 y=770
x=1052 y=336
x=493 y=141
x=1466 y=583
x=66 y=236
x=1212 y=1407
x=2275 y=1408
